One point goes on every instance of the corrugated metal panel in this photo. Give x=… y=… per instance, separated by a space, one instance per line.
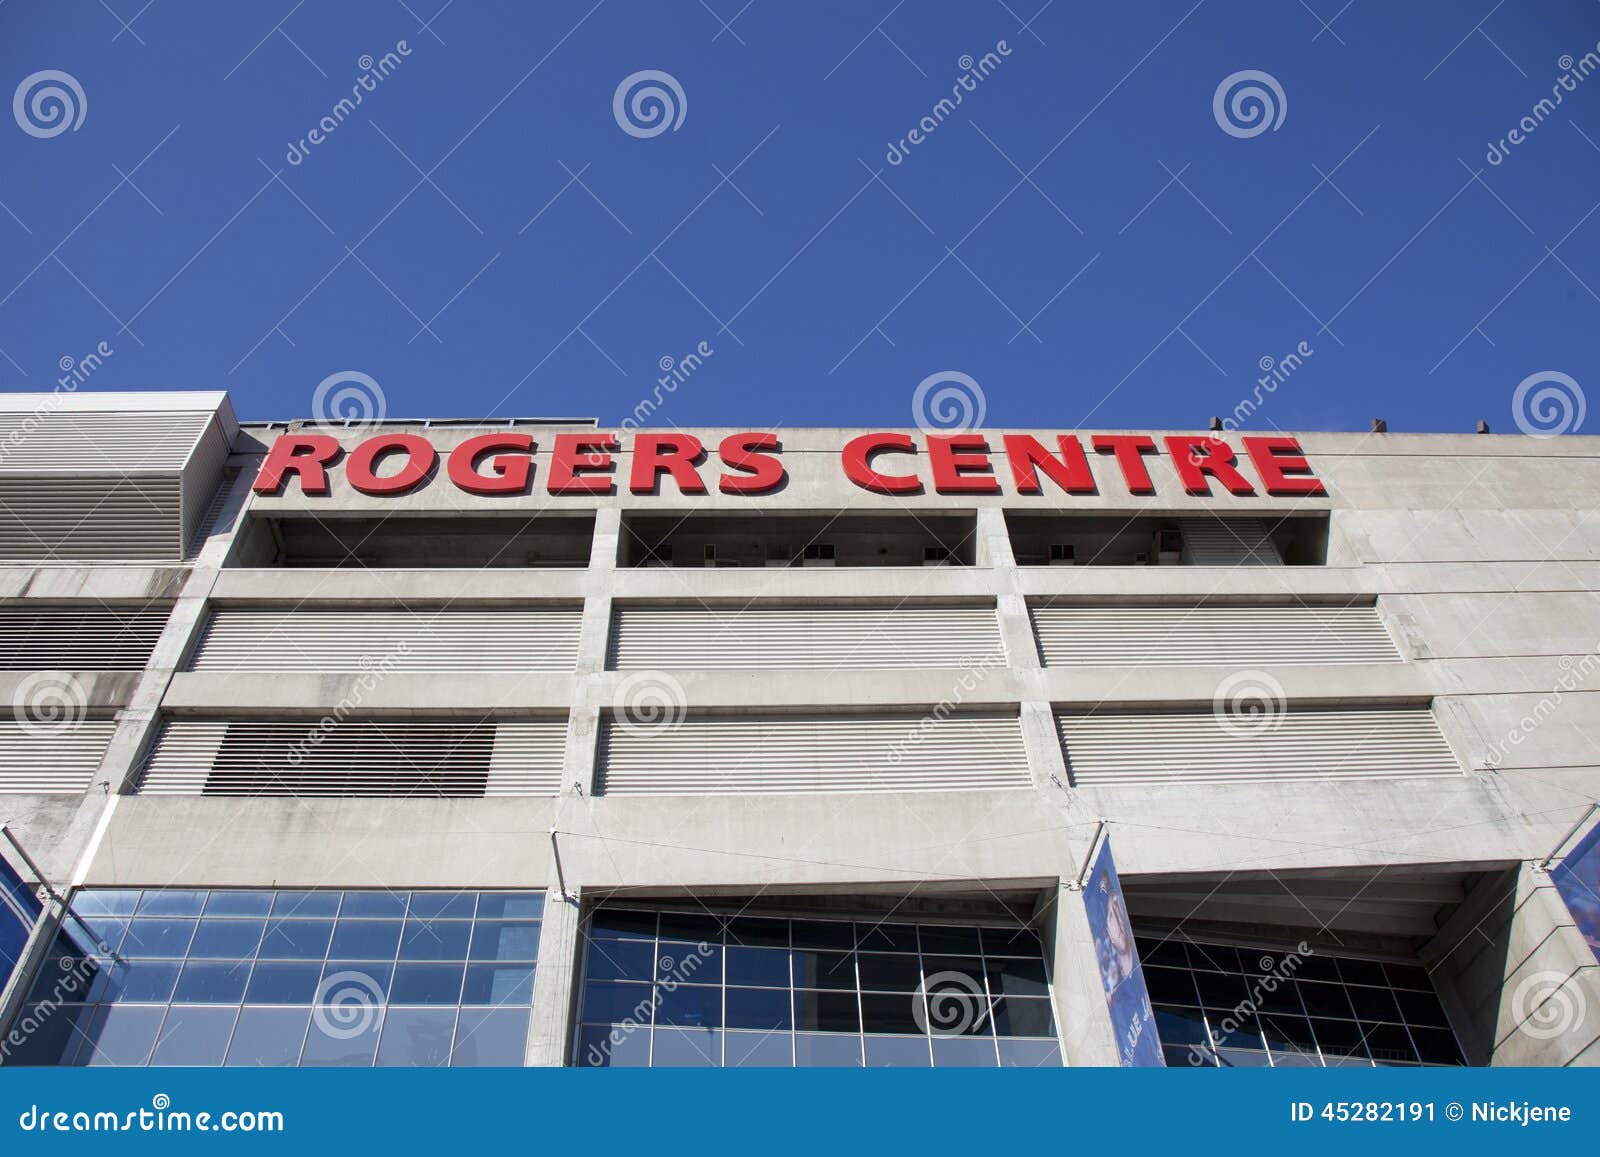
x=1129 y=749
x=47 y=760
x=115 y=443
x=788 y=637
x=744 y=755
x=1199 y=635
x=1227 y=542
x=426 y=639
x=78 y=638
x=89 y=519
x=402 y=759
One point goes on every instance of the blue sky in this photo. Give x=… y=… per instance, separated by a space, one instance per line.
x=1080 y=236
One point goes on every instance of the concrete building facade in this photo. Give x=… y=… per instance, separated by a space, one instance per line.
x=723 y=746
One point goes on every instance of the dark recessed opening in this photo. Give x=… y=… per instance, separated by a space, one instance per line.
x=1153 y=540
x=801 y=540
x=427 y=541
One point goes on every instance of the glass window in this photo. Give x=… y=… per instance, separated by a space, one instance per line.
x=243 y=977
x=1319 y=1010
x=490 y=1037
x=774 y=991
x=268 y=1037
x=194 y=1034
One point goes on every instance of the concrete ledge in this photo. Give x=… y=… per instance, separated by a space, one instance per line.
x=357 y=586
x=132 y=584
x=102 y=690
x=246 y=695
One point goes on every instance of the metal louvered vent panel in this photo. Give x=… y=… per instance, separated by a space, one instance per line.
x=398 y=759
x=38 y=758
x=744 y=755
x=1228 y=542
x=1204 y=635
x=1131 y=749
x=88 y=519
x=416 y=639
x=114 y=443
x=80 y=638
x=826 y=637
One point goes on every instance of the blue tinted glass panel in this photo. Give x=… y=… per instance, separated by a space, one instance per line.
x=759 y=967
x=105 y=901
x=212 y=982
x=759 y=1008
x=887 y=937
x=227 y=939
x=358 y=981
x=51 y=1035
x=689 y=1005
x=158 y=937
x=498 y=984
x=290 y=983
x=608 y=1003
x=296 y=939
x=443 y=905
x=268 y=1037
x=1023 y=1016
x=758 y=1050
x=435 y=940
x=510 y=905
x=623 y=959
x=366 y=939
x=686 y=1048
x=194 y=1034
x=1029 y=1054
x=610 y=925
x=336 y=1042
x=239 y=904
x=170 y=902
x=387 y=905
x=602 y=1046
x=120 y=1035
x=964 y=1052
x=826 y=1051
x=486 y=1037
x=898 y=1052
x=426 y=984
x=496 y=940
x=305 y=904
x=96 y=934
x=417 y=1037
x=141 y=981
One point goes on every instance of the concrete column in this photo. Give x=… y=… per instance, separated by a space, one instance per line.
x=555 y=984
x=1520 y=983
x=1086 y=1033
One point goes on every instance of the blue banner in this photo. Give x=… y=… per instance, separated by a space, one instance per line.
x=19 y=910
x=1131 y=1015
x=1578 y=881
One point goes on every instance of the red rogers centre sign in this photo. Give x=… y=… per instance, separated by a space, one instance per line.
x=886 y=462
